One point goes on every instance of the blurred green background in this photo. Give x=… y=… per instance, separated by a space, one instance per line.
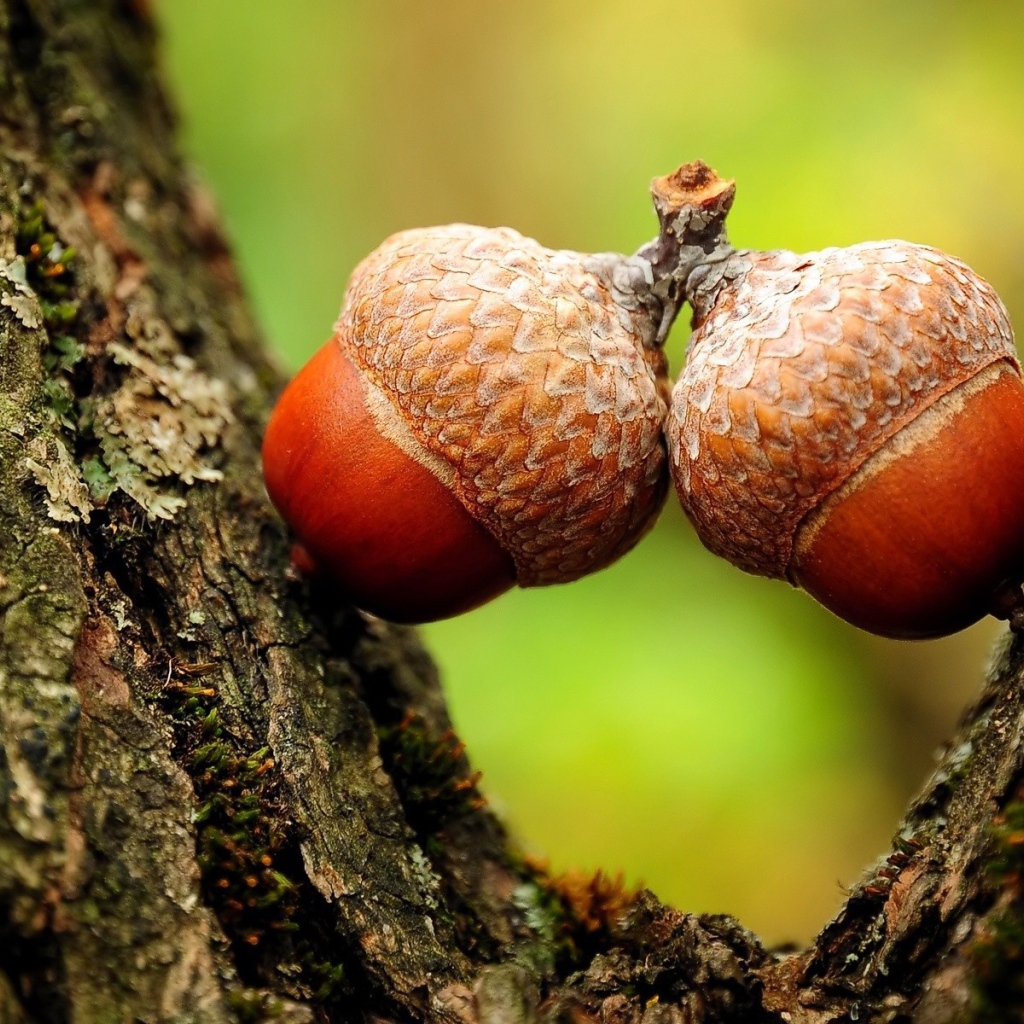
x=717 y=736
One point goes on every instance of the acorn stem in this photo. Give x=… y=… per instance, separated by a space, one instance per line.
x=692 y=203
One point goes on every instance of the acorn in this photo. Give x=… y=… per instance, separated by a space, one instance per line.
x=487 y=413
x=850 y=420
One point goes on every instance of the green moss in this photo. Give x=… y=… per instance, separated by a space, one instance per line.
x=238 y=837
x=572 y=915
x=328 y=978
x=49 y=266
x=253 y=1007
x=250 y=871
x=431 y=775
x=997 y=953
x=50 y=273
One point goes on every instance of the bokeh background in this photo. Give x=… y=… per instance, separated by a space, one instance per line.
x=718 y=737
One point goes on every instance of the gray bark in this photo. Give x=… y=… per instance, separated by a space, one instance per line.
x=225 y=796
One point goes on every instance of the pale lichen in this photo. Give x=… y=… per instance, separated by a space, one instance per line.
x=154 y=431
x=143 y=420
x=53 y=468
x=159 y=426
x=22 y=301
x=24 y=308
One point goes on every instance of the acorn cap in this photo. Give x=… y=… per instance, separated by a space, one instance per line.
x=526 y=385
x=801 y=367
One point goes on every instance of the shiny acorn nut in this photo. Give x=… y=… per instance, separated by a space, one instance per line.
x=851 y=420
x=488 y=413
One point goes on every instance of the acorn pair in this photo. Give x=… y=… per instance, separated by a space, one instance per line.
x=490 y=412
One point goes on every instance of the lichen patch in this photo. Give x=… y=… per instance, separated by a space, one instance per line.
x=133 y=415
x=24 y=308
x=160 y=425
x=53 y=468
x=22 y=301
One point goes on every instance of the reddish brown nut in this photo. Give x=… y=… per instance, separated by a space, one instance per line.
x=487 y=413
x=852 y=420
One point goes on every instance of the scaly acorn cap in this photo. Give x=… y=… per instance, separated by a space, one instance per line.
x=529 y=381
x=802 y=366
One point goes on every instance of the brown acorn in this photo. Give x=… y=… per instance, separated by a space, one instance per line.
x=850 y=420
x=488 y=413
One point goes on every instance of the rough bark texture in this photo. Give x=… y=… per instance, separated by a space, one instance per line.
x=224 y=797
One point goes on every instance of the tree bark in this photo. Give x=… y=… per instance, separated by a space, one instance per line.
x=227 y=797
